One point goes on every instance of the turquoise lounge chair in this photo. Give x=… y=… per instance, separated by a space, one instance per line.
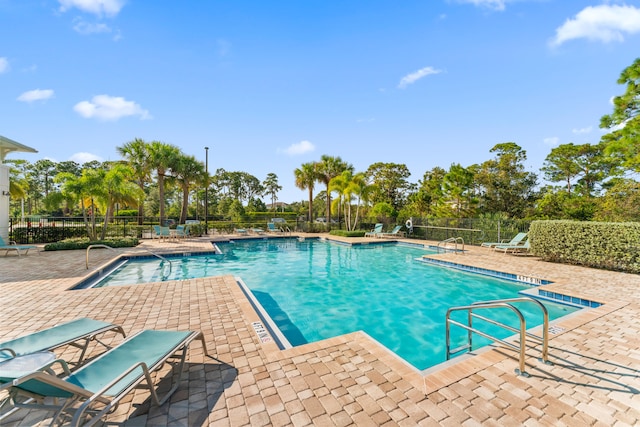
x=257 y=230
x=12 y=246
x=271 y=228
x=241 y=231
x=161 y=232
x=517 y=240
x=393 y=233
x=514 y=249
x=376 y=230
x=182 y=231
x=96 y=388
x=78 y=333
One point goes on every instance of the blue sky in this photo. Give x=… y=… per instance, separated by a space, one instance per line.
x=269 y=85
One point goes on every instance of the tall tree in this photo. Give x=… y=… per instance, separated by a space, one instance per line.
x=187 y=172
x=84 y=189
x=623 y=141
x=328 y=168
x=136 y=153
x=351 y=188
x=457 y=193
x=506 y=187
x=116 y=188
x=305 y=179
x=583 y=163
x=162 y=158
x=391 y=183
x=271 y=187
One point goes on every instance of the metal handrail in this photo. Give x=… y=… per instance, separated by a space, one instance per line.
x=544 y=339
x=454 y=240
x=95 y=246
x=470 y=330
x=141 y=250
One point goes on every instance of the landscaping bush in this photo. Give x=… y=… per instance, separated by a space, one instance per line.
x=83 y=243
x=606 y=245
x=345 y=233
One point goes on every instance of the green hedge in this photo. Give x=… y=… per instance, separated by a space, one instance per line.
x=84 y=243
x=606 y=245
x=345 y=233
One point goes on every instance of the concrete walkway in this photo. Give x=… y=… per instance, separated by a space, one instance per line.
x=348 y=380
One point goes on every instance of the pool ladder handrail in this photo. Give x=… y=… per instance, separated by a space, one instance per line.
x=522 y=331
x=453 y=240
x=141 y=250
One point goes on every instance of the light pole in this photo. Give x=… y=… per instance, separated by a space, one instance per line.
x=206 y=191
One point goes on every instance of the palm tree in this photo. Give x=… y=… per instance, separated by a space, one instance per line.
x=187 y=172
x=162 y=158
x=306 y=177
x=117 y=189
x=328 y=168
x=84 y=189
x=350 y=187
x=136 y=153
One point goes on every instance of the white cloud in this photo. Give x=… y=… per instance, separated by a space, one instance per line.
x=588 y=129
x=300 y=148
x=36 y=95
x=96 y=7
x=82 y=158
x=105 y=107
x=603 y=23
x=417 y=75
x=491 y=4
x=83 y=27
x=552 y=141
x=4 y=64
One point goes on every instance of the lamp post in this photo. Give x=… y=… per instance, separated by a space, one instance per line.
x=206 y=191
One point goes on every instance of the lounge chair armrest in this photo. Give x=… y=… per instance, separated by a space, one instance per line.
x=8 y=350
x=63 y=364
x=145 y=371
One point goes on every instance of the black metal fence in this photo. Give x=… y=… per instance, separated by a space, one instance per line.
x=474 y=231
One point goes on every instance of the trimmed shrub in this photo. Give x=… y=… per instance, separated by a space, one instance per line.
x=606 y=245
x=83 y=243
x=345 y=233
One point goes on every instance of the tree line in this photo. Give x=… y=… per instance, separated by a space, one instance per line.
x=586 y=182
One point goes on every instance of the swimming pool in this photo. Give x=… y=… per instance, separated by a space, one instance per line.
x=315 y=289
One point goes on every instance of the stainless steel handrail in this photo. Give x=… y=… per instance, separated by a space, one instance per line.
x=470 y=330
x=141 y=250
x=95 y=246
x=544 y=339
x=453 y=240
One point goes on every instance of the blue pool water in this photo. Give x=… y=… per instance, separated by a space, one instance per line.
x=314 y=290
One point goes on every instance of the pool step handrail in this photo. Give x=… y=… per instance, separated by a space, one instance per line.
x=522 y=330
x=142 y=249
x=455 y=241
x=544 y=339
x=95 y=246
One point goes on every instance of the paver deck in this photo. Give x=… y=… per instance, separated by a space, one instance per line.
x=349 y=380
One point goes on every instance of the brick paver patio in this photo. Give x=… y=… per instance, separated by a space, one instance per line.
x=348 y=380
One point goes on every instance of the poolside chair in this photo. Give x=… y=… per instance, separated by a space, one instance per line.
x=271 y=228
x=517 y=240
x=96 y=388
x=182 y=231
x=257 y=230
x=12 y=246
x=78 y=333
x=376 y=230
x=514 y=249
x=393 y=233
x=241 y=231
